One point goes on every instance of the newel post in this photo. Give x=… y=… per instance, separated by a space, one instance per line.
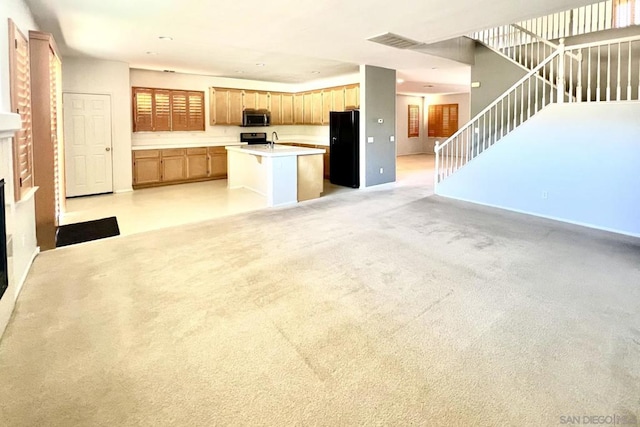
x=560 y=79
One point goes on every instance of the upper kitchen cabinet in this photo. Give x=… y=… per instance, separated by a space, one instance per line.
x=308 y=108
x=46 y=102
x=316 y=108
x=337 y=99
x=254 y=100
x=287 y=109
x=327 y=105
x=352 y=97
x=225 y=106
x=298 y=108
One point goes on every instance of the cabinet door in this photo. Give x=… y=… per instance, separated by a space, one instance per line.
x=173 y=169
x=235 y=107
x=146 y=167
x=352 y=97
x=337 y=99
x=317 y=112
x=218 y=106
x=298 y=108
x=325 y=158
x=197 y=163
x=308 y=108
x=287 y=109
x=276 y=109
x=263 y=100
x=327 y=96
x=250 y=100
x=218 y=159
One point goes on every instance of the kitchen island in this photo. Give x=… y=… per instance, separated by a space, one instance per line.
x=283 y=174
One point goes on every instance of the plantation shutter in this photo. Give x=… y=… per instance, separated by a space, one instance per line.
x=162 y=110
x=20 y=78
x=179 y=110
x=414 y=121
x=142 y=109
x=443 y=120
x=196 y=111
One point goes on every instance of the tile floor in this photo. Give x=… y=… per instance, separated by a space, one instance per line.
x=160 y=207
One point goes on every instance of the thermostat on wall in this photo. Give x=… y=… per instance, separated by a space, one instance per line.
x=475 y=84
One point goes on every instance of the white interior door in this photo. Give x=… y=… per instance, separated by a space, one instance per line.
x=87 y=142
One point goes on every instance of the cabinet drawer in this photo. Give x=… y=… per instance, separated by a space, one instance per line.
x=199 y=150
x=173 y=152
x=217 y=150
x=146 y=154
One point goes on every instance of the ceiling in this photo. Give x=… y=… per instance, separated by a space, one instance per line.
x=296 y=41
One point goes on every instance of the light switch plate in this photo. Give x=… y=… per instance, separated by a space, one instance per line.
x=370 y=139
x=392 y=138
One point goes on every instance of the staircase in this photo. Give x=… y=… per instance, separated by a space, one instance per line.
x=601 y=71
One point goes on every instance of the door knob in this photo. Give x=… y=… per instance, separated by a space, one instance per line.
x=108 y=149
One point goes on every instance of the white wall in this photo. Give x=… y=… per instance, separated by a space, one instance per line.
x=156 y=79
x=464 y=108
x=408 y=145
x=572 y=162
x=20 y=216
x=85 y=75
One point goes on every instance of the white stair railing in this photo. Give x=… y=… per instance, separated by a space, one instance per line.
x=609 y=71
x=524 y=99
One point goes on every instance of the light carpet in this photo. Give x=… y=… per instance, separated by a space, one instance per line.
x=383 y=307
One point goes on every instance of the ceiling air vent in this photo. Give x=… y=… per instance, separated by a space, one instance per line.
x=394 y=40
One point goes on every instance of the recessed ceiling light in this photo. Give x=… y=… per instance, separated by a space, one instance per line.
x=400 y=81
x=315 y=72
x=167 y=38
x=260 y=64
x=152 y=53
x=434 y=68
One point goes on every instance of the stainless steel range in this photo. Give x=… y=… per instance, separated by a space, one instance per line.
x=253 y=137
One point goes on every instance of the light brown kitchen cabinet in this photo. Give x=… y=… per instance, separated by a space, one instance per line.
x=308 y=108
x=325 y=156
x=146 y=167
x=352 y=97
x=327 y=105
x=316 y=108
x=298 y=108
x=178 y=165
x=337 y=99
x=174 y=167
x=225 y=106
x=287 y=109
x=218 y=162
x=276 y=108
x=197 y=163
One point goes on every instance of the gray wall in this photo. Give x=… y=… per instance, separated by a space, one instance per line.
x=380 y=103
x=495 y=74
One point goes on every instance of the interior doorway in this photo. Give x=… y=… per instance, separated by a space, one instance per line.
x=87 y=141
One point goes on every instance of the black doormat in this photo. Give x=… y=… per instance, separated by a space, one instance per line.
x=85 y=231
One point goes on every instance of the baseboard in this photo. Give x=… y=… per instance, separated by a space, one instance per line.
x=23 y=279
x=128 y=190
x=553 y=218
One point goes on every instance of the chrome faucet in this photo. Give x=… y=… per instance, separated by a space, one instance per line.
x=274 y=138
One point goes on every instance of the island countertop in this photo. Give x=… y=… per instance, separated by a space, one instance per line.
x=278 y=150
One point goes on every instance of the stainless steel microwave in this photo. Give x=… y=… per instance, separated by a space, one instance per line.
x=256 y=118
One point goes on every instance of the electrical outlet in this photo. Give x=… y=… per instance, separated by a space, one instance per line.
x=370 y=139
x=381 y=170
x=545 y=195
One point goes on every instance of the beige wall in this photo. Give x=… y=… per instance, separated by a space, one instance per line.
x=20 y=216
x=406 y=145
x=93 y=76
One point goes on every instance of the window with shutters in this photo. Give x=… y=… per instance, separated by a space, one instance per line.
x=443 y=120
x=414 y=121
x=20 y=83
x=158 y=110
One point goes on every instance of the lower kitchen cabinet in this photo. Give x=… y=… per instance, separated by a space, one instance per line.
x=218 y=161
x=325 y=156
x=153 y=168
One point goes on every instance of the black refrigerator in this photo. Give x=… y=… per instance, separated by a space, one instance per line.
x=344 y=150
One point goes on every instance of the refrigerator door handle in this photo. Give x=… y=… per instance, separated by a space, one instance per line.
x=333 y=140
